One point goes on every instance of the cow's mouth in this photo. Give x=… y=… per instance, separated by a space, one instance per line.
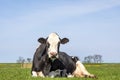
x=54 y=56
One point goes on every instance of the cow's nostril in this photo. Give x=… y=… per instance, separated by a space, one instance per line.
x=53 y=53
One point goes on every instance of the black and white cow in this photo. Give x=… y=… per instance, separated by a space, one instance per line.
x=47 y=51
x=48 y=58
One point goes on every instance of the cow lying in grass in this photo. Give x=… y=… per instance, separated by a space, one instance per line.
x=80 y=71
x=48 y=58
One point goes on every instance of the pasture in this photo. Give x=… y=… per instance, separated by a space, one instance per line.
x=13 y=71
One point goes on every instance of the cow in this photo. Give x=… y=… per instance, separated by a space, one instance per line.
x=47 y=51
x=48 y=58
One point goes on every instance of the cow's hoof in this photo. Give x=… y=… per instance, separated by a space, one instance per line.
x=34 y=74
x=40 y=74
x=91 y=76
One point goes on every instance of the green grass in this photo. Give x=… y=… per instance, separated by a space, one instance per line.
x=103 y=71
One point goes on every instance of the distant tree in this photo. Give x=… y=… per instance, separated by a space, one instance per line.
x=85 y=59
x=22 y=64
x=93 y=59
x=88 y=59
x=29 y=60
x=21 y=60
x=97 y=58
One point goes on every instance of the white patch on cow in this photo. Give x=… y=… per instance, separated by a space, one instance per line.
x=70 y=75
x=40 y=74
x=53 y=40
x=84 y=70
x=80 y=70
x=34 y=74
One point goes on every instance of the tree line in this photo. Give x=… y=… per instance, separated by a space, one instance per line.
x=93 y=59
x=24 y=62
x=88 y=59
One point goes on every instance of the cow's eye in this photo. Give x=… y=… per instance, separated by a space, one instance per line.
x=48 y=44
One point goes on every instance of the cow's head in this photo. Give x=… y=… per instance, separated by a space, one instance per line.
x=53 y=42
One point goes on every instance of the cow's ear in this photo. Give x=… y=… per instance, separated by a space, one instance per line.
x=64 y=40
x=42 y=40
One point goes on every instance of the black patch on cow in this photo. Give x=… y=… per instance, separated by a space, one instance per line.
x=75 y=58
x=57 y=64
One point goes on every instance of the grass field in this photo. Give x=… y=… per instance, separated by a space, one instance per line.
x=9 y=71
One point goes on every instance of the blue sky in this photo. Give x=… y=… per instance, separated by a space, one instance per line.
x=92 y=26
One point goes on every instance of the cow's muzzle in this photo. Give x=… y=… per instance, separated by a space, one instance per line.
x=53 y=54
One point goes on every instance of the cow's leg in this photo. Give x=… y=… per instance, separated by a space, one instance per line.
x=81 y=71
x=34 y=70
x=70 y=75
x=34 y=74
x=40 y=74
